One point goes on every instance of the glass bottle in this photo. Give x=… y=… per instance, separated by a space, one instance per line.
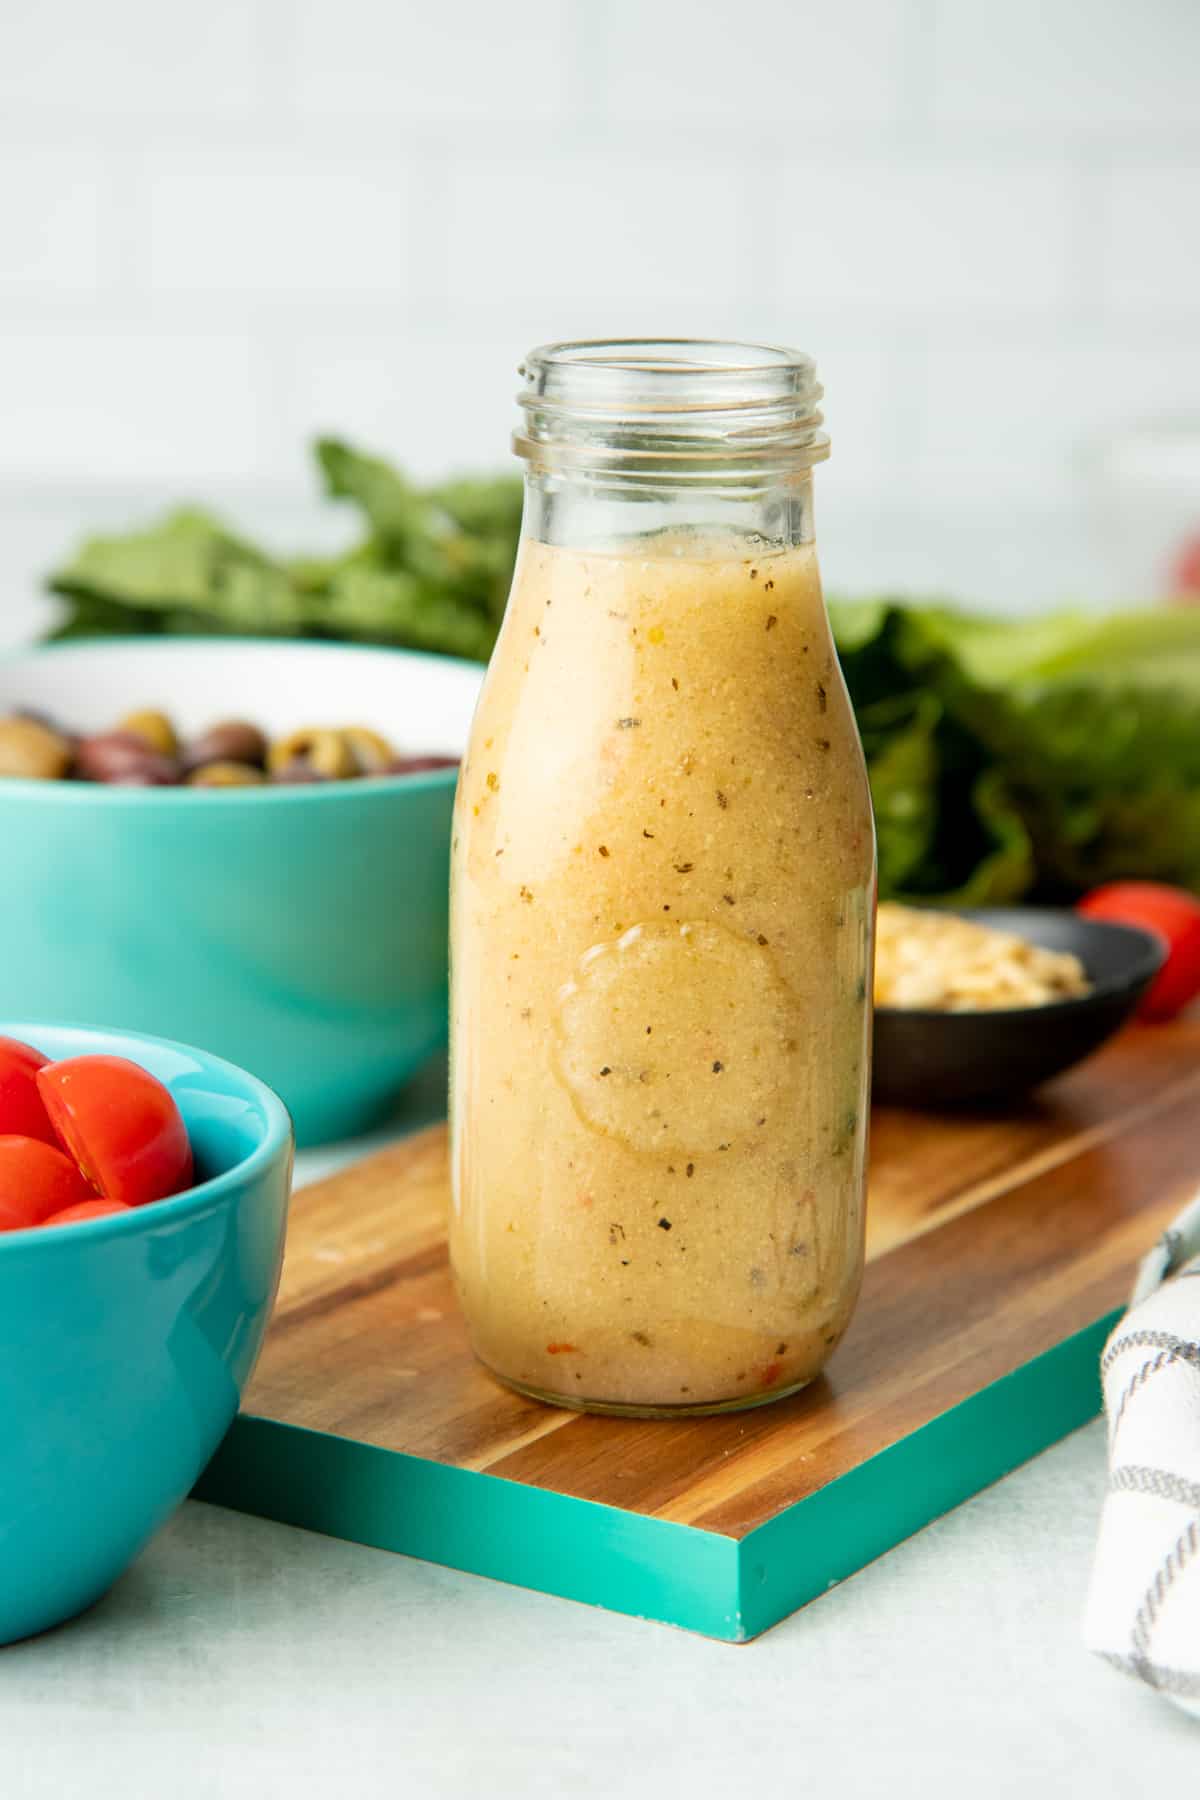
x=662 y=902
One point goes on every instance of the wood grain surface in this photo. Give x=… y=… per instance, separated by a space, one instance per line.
x=991 y=1237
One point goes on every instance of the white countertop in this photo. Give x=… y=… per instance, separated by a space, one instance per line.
x=239 y=1658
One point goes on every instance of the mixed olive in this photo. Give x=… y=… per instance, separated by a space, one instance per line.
x=144 y=750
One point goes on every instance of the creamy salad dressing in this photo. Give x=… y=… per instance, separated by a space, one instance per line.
x=662 y=911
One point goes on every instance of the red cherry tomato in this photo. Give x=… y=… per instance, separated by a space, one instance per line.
x=1175 y=916
x=1185 y=577
x=21 y=1111
x=87 y=1209
x=120 y=1124
x=36 y=1181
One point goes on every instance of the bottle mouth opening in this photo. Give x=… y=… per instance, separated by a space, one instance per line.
x=694 y=405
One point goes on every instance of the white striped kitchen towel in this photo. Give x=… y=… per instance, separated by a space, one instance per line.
x=1143 y=1611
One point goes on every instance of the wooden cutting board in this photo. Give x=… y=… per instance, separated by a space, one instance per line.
x=1001 y=1246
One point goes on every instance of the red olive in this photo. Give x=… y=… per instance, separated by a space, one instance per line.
x=123 y=757
x=417 y=765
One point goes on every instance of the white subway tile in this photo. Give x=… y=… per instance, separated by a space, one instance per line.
x=453 y=61
x=1015 y=559
x=860 y=384
x=436 y=398
x=104 y=404
x=292 y=224
x=1011 y=419
x=997 y=419
x=50 y=204
x=593 y=229
x=1150 y=243
x=1093 y=64
x=439 y=401
x=129 y=56
x=775 y=65
x=435 y=401
x=38 y=528
x=910 y=232
x=937 y=286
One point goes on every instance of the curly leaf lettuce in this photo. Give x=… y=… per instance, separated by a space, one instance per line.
x=1038 y=757
x=431 y=569
x=1063 y=752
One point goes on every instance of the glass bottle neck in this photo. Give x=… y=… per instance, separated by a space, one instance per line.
x=573 y=511
x=626 y=440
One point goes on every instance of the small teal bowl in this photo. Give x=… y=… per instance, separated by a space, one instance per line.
x=299 y=931
x=125 y=1342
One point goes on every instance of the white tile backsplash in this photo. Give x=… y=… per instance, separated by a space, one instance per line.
x=976 y=232
x=288 y=226
x=436 y=407
x=1024 y=417
x=764 y=67
x=1089 y=65
x=594 y=228
x=129 y=56
x=864 y=423
x=1150 y=248
x=457 y=60
x=128 y=404
x=51 y=210
x=228 y=224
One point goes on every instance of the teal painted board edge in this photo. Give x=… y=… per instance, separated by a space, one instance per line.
x=654 y=1568
x=529 y=1536
x=834 y=1533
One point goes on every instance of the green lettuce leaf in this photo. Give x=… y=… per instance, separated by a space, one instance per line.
x=430 y=571
x=1066 y=751
x=1006 y=758
x=1005 y=869
x=899 y=739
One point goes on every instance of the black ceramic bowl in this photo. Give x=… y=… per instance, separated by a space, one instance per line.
x=925 y=1058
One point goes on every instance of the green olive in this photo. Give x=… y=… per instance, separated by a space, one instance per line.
x=225 y=774
x=371 y=752
x=326 y=753
x=30 y=748
x=154 y=728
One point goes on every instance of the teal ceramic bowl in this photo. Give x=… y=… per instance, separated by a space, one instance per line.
x=125 y=1342
x=299 y=931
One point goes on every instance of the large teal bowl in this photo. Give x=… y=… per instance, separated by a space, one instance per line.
x=125 y=1342
x=299 y=931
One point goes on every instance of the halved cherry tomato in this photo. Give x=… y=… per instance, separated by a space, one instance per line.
x=120 y=1124
x=87 y=1209
x=21 y=1111
x=36 y=1181
x=1174 y=915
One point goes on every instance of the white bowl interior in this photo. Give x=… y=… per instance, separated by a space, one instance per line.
x=421 y=703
